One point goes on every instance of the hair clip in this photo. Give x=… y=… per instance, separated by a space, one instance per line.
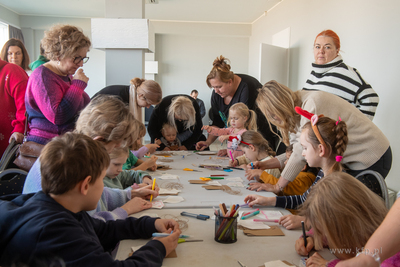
x=339 y=158
x=314 y=120
x=236 y=140
x=340 y=119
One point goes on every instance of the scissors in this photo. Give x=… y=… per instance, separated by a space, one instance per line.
x=190 y=170
x=181 y=240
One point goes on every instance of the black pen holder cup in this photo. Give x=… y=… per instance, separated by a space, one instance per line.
x=225 y=229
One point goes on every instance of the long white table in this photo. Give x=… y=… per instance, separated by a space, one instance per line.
x=250 y=250
x=194 y=194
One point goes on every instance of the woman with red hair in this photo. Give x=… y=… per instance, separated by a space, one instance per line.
x=332 y=75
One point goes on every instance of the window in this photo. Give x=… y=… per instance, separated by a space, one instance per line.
x=3 y=34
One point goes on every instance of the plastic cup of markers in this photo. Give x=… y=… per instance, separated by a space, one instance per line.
x=225 y=229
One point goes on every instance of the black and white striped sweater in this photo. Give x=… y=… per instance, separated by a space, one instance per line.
x=344 y=81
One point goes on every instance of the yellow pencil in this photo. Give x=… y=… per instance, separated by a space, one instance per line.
x=152 y=188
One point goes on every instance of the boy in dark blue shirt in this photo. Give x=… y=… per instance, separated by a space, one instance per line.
x=53 y=223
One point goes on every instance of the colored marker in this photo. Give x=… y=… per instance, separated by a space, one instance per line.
x=230 y=153
x=265 y=220
x=247 y=213
x=252 y=165
x=304 y=236
x=250 y=215
x=165 y=235
x=197 y=216
x=244 y=205
x=218 y=175
x=152 y=188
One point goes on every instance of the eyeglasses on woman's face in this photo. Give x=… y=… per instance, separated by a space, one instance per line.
x=78 y=59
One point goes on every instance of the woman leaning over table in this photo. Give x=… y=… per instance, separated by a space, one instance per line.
x=228 y=89
x=55 y=92
x=330 y=74
x=139 y=94
x=182 y=112
x=367 y=149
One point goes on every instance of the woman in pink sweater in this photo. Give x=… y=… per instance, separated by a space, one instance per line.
x=55 y=92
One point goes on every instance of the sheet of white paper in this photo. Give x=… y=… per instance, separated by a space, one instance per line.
x=157 y=204
x=181 y=153
x=234 y=179
x=275 y=264
x=167 y=176
x=249 y=223
x=173 y=199
x=136 y=248
x=214 y=183
x=164 y=191
x=270 y=214
x=235 y=184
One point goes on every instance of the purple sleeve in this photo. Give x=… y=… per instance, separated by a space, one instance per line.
x=141 y=152
x=56 y=99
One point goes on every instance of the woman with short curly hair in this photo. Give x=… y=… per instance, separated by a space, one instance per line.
x=55 y=92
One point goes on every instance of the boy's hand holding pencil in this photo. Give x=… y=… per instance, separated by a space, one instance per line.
x=167 y=226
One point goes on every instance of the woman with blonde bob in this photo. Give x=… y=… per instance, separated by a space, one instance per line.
x=139 y=94
x=183 y=113
x=343 y=214
x=55 y=92
x=368 y=147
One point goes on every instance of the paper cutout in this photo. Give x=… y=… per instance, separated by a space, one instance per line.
x=271 y=214
x=164 y=191
x=164 y=160
x=273 y=231
x=215 y=187
x=173 y=199
x=197 y=182
x=214 y=183
x=167 y=176
x=235 y=184
x=234 y=179
x=157 y=204
x=250 y=224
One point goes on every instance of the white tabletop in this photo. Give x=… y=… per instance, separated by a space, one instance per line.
x=250 y=250
x=194 y=195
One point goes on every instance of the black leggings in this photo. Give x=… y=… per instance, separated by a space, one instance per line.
x=382 y=166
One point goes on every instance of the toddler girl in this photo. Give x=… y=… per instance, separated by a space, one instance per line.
x=324 y=142
x=241 y=119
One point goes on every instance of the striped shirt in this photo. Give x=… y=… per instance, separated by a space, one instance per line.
x=344 y=81
x=293 y=202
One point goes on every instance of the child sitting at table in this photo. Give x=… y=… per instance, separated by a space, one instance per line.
x=169 y=141
x=255 y=148
x=138 y=149
x=133 y=162
x=343 y=214
x=324 y=142
x=116 y=177
x=300 y=185
x=53 y=223
x=240 y=119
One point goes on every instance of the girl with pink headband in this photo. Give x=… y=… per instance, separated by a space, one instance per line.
x=324 y=142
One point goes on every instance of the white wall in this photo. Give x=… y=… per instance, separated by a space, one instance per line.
x=368 y=30
x=185 y=61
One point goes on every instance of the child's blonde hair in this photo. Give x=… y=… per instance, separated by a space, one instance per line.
x=182 y=107
x=140 y=132
x=258 y=141
x=277 y=101
x=344 y=211
x=166 y=127
x=119 y=151
x=334 y=134
x=243 y=110
x=108 y=117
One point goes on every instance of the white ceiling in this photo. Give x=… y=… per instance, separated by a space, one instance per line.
x=233 y=11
